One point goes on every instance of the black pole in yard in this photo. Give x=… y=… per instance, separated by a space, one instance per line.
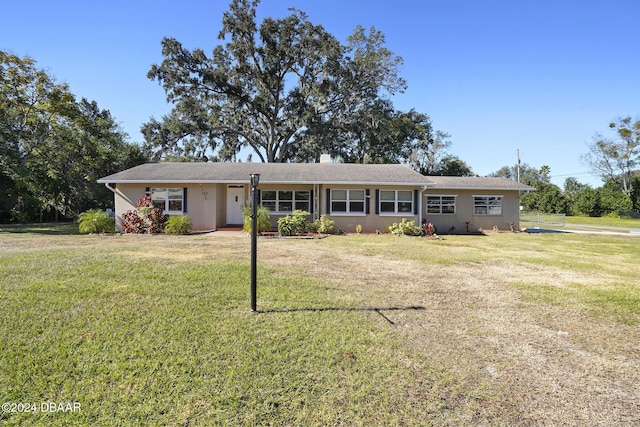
x=255 y=179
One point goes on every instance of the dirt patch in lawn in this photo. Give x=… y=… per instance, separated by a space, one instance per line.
x=509 y=360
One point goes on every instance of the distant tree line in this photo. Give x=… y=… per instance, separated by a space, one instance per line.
x=53 y=147
x=614 y=158
x=574 y=198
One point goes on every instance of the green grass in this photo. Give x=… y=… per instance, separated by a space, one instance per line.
x=156 y=330
x=45 y=228
x=620 y=302
x=164 y=343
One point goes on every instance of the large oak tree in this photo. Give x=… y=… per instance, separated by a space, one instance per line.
x=286 y=88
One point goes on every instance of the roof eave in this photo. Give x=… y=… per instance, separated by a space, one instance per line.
x=235 y=181
x=444 y=187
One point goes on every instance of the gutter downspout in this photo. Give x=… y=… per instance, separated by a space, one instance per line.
x=115 y=193
x=316 y=201
x=113 y=190
x=424 y=188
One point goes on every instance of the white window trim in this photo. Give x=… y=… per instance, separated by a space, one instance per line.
x=293 y=201
x=395 y=205
x=500 y=196
x=348 y=212
x=166 y=210
x=455 y=203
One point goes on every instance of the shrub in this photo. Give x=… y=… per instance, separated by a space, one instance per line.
x=405 y=228
x=312 y=227
x=144 y=219
x=96 y=221
x=324 y=225
x=428 y=229
x=264 y=219
x=285 y=226
x=178 y=224
x=293 y=224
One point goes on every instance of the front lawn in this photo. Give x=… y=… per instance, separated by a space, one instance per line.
x=357 y=330
x=57 y=228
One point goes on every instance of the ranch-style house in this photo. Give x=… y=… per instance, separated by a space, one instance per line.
x=371 y=195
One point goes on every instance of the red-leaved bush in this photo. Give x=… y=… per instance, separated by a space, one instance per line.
x=428 y=229
x=144 y=219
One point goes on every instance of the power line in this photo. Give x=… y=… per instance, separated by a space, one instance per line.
x=572 y=174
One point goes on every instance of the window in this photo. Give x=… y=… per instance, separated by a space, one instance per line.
x=285 y=200
x=348 y=202
x=487 y=205
x=302 y=200
x=396 y=202
x=441 y=205
x=170 y=200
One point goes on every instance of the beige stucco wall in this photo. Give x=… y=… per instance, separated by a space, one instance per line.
x=201 y=205
x=201 y=202
x=207 y=204
x=465 y=212
x=220 y=206
x=126 y=196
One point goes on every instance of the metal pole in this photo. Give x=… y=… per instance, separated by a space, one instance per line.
x=254 y=240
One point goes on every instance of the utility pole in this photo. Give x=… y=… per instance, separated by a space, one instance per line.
x=518 y=165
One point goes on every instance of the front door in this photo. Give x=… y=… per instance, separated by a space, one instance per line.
x=235 y=202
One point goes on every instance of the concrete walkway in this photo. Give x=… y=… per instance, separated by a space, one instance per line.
x=596 y=229
x=226 y=231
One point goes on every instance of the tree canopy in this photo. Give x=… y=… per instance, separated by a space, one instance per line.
x=450 y=165
x=53 y=147
x=287 y=89
x=528 y=174
x=547 y=198
x=616 y=158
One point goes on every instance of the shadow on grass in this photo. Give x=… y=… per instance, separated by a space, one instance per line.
x=378 y=310
x=59 y=229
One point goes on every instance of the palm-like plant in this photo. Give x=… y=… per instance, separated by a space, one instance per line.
x=96 y=221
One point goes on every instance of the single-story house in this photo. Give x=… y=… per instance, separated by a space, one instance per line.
x=372 y=195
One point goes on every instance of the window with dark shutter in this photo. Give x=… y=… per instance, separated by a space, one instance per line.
x=184 y=200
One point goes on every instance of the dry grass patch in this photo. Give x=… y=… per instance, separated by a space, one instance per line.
x=495 y=330
x=513 y=356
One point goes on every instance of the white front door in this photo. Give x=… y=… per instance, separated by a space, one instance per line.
x=235 y=202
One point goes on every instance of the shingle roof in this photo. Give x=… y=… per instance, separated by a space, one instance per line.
x=477 y=183
x=302 y=173
x=270 y=173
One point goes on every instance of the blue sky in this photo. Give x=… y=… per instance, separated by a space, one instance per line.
x=542 y=77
